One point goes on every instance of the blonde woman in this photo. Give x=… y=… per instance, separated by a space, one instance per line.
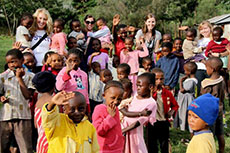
x=41 y=30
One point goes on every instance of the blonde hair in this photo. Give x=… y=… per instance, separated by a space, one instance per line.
x=201 y=25
x=145 y=29
x=49 y=24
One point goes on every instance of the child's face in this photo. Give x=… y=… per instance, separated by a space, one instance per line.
x=29 y=61
x=56 y=62
x=100 y=24
x=187 y=71
x=190 y=36
x=121 y=74
x=147 y=65
x=127 y=92
x=27 y=23
x=195 y=122
x=216 y=35
x=97 y=69
x=113 y=96
x=74 y=60
x=41 y=21
x=205 y=31
x=116 y=61
x=159 y=79
x=106 y=76
x=165 y=51
x=143 y=87
x=128 y=44
x=13 y=62
x=57 y=27
x=72 y=43
x=76 y=109
x=76 y=26
x=150 y=23
x=178 y=45
x=122 y=33
x=209 y=69
x=96 y=45
x=167 y=38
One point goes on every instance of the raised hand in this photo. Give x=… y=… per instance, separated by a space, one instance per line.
x=111 y=109
x=20 y=72
x=17 y=45
x=62 y=98
x=69 y=66
x=116 y=19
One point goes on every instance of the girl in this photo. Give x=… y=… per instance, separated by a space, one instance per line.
x=130 y=56
x=187 y=93
x=98 y=56
x=134 y=126
x=106 y=119
x=59 y=39
x=71 y=77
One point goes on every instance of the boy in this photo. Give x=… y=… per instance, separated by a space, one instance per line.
x=170 y=65
x=166 y=107
x=215 y=85
x=70 y=132
x=202 y=113
x=147 y=65
x=15 y=116
x=123 y=71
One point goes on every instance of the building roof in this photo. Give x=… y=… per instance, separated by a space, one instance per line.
x=219 y=20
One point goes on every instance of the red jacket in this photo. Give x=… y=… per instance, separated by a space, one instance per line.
x=168 y=101
x=216 y=48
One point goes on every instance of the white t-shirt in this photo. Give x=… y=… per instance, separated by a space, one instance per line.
x=42 y=48
x=202 y=43
x=20 y=32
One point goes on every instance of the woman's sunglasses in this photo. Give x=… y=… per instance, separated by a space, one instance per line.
x=88 y=22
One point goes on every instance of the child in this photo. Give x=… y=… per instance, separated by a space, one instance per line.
x=134 y=126
x=166 y=108
x=131 y=57
x=170 y=65
x=103 y=33
x=217 y=46
x=16 y=88
x=123 y=71
x=75 y=26
x=106 y=76
x=178 y=52
x=147 y=65
x=59 y=39
x=166 y=38
x=202 y=113
x=71 y=43
x=69 y=132
x=187 y=93
x=215 y=85
x=113 y=64
x=72 y=78
x=44 y=83
x=98 y=56
x=22 y=33
x=29 y=61
x=106 y=119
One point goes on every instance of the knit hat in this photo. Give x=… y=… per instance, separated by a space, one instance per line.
x=44 y=81
x=206 y=107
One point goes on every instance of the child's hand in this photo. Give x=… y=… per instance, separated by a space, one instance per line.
x=17 y=45
x=4 y=99
x=142 y=41
x=62 y=98
x=69 y=66
x=146 y=112
x=95 y=54
x=228 y=47
x=80 y=36
x=170 y=113
x=48 y=60
x=111 y=110
x=28 y=50
x=116 y=19
x=215 y=54
x=20 y=72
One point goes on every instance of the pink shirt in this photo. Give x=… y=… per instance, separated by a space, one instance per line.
x=132 y=58
x=134 y=139
x=76 y=81
x=58 y=42
x=109 y=134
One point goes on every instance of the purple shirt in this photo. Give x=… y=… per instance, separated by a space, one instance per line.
x=102 y=59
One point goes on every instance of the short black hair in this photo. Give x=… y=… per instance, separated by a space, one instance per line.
x=219 y=29
x=88 y=16
x=150 y=77
x=61 y=22
x=26 y=16
x=193 y=31
x=215 y=63
x=15 y=52
x=47 y=54
x=120 y=26
x=28 y=54
x=102 y=19
x=125 y=67
x=146 y=59
x=113 y=83
x=167 y=45
x=191 y=66
x=95 y=64
x=157 y=70
x=129 y=38
x=177 y=38
x=76 y=51
x=126 y=83
x=74 y=20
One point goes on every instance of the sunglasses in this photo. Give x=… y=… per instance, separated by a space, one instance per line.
x=88 y=22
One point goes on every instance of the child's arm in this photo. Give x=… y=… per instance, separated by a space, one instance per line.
x=91 y=59
x=116 y=20
x=124 y=56
x=131 y=127
x=125 y=112
x=146 y=51
x=99 y=33
x=28 y=38
x=62 y=44
x=182 y=90
x=173 y=105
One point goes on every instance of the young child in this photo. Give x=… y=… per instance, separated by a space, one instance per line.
x=113 y=63
x=123 y=71
x=106 y=119
x=178 y=52
x=217 y=46
x=59 y=38
x=71 y=43
x=215 y=85
x=170 y=65
x=131 y=57
x=106 y=76
x=72 y=78
x=166 y=108
x=141 y=101
x=44 y=83
x=69 y=132
x=165 y=38
x=202 y=114
x=29 y=61
x=16 y=90
x=103 y=33
x=147 y=65
x=22 y=32
x=75 y=26
x=187 y=93
x=97 y=55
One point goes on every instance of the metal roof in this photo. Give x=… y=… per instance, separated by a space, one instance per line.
x=222 y=19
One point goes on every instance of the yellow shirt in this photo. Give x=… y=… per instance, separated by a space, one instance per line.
x=202 y=143
x=65 y=137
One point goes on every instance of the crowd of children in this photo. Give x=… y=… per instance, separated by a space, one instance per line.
x=93 y=91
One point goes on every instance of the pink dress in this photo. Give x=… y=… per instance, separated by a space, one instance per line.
x=42 y=144
x=58 y=42
x=134 y=139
